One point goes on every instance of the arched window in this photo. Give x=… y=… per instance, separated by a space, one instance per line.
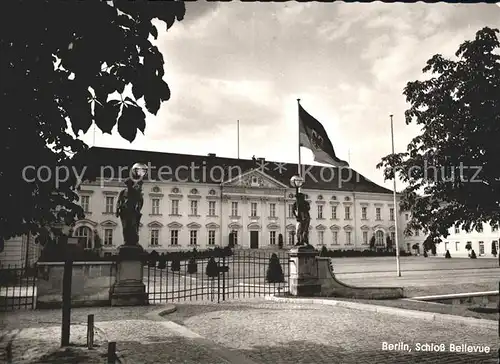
x=379 y=238
x=84 y=235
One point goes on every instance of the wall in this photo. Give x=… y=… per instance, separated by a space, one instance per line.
x=90 y=283
x=14 y=252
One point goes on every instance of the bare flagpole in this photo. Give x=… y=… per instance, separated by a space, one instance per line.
x=398 y=266
x=238 y=135
x=299 y=166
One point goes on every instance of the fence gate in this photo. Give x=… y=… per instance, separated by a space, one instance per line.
x=215 y=276
x=17 y=287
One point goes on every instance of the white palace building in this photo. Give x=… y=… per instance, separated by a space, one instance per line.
x=196 y=201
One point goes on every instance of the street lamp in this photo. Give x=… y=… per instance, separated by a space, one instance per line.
x=139 y=170
x=297 y=182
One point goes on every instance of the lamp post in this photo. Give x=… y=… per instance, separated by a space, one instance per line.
x=297 y=182
x=66 y=231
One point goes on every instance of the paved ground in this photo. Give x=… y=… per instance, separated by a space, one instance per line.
x=269 y=333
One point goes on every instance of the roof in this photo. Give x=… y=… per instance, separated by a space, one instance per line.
x=208 y=169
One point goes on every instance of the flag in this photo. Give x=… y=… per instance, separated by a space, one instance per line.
x=312 y=135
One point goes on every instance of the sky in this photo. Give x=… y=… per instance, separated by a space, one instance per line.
x=348 y=63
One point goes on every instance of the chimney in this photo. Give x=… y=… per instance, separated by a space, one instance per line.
x=211 y=154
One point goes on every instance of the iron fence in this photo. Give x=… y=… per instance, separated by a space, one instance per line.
x=17 y=287
x=240 y=274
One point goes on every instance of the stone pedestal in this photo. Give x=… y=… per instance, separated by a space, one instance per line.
x=304 y=276
x=129 y=289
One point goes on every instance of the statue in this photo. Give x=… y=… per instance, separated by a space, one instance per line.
x=128 y=208
x=301 y=211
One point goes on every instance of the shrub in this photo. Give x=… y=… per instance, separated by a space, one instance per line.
x=231 y=240
x=372 y=242
x=494 y=249
x=425 y=254
x=162 y=261
x=153 y=258
x=192 y=266
x=447 y=255
x=175 y=266
x=280 y=241
x=274 y=271
x=212 y=269
x=468 y=246
x=473 y=254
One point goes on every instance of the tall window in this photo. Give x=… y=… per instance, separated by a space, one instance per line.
x=211 y=237
x=84 y=235
x=348 y=237
x=457 y=246
x=108 y=236
x=377 y=213
x=194 y=207
x=335 y=237
x=365 y=237
x=110 y=204
x=175 y=207
x=272 y=210
x=334 y=212
x=211 y=208
x=193 y=237
x=85 y=203
x=393 y=238
x=457 y=230
x=235 y=236
x=363 y=213
x=290 y=210
x=291 y=238
x=155 y=237
x=272 y=237
x=320 y=211
x=321 y=237
x=174 y=237
x=253 y=209
x=391 y=214
x=347 y=212
x=155 y=204
x=481 y=248
x=234 y=208
x=379 y=238
x=445 y=245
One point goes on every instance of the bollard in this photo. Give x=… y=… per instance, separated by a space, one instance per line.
x=90 y=332
x=8 y=353
x=111 y=352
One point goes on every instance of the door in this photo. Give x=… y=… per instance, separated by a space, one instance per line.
x=254 y=239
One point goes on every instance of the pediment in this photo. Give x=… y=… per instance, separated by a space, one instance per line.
x=365 y=227
x=347 y=227
x=335 y=227
x=320 y=227
x=379 y=227
x=174 y=225
x=212 y=225
x=109 y=223
x=273 y=226
x=234 y=226
x=254 y=178
x=193 y=225
x=155 y=224
x=392 y=228
x=290 y=227
x=253 y=226
x=87 y=222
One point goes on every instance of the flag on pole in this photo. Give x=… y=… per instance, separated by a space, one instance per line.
x=312 y=135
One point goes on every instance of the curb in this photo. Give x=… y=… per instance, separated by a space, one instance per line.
x=428 y=316
x=157 y=315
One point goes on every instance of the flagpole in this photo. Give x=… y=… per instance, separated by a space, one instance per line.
x=398 y=267
x=299 y=166
x=238 y=136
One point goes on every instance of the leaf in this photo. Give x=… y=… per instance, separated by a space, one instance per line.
x=154 y=32
x=106 y=115
x=131 y=119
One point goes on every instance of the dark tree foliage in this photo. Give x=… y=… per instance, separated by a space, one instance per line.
x=192 y=266
x=153 y=258
x=468 y=246
x=175 y=266
x=162 y=261
x=323 y=252
x=212 y=269
x=274 y=272
x=430 y=242
x=60 y=60
x=425 y=254
x=372 y=242
x=388 y=243
x=451 y=169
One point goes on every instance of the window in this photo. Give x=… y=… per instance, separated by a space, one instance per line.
x=334 y=212
x=291 y=238
x=193 y=237
x=235 y=236
x=194 y=208
x=446 y=246
x=457 y=230
x=155 y=206
x=253 y=209
x=379 y=238
x=335 y=237
x=84 y=235
x=377 y=213
x=417 y=232
x=393 y=238
x=290 y=210
x=110 y=204
x=347 y=212
x=321 y=236
x=365 y=237
x=363 y=213
x=391 y=214
x=155 y=235
x=481 y=248
x=348 y=237
x=272 y=237
x=174 y=237
x=272 y=209
x=234 y=208
x=457 y=246
x=108 y=236
x=407 y=217
x=320 y=211
x=211 y=237
x=85 y=203
x=211 y=208
x=175 y=207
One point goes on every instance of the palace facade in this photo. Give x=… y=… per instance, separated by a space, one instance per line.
x=480 y=241
x=196 y=201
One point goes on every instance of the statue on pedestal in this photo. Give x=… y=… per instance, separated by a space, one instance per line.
x=301 y=211
x=129 y=206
